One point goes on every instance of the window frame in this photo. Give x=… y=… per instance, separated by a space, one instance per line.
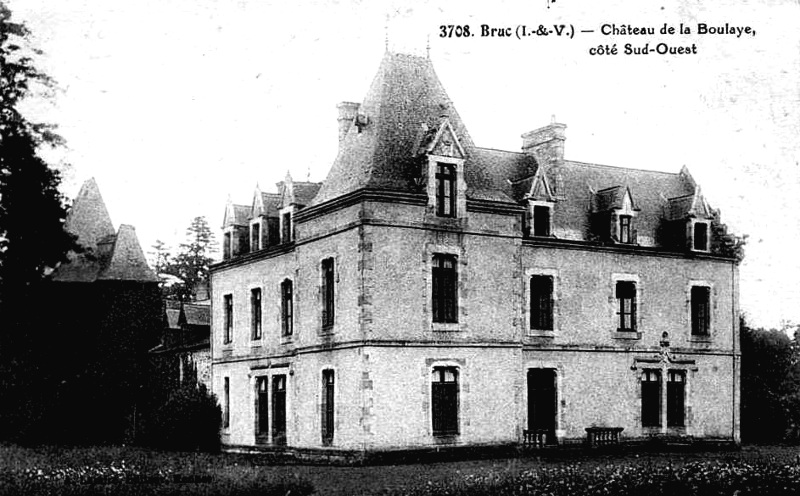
x=226 y=407
x=444 y=289
x=328 y=407
x=328 y=292
x=446 y=189
x=707 y=239
x=676 y=398
x=287 y=308
x=255 y=235
x=626 y=229
x=256 y=314
x=622 y=311
x=535 y=225
x=546 y=304
x=445 y=423
x=650 y=390
x=227 y=329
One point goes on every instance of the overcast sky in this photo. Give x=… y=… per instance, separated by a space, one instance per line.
x=173 y=105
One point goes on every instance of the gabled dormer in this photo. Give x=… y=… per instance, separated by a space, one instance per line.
x=613 y=215
x=235 y=230
x=264 y=220
x=688 y=222
x=540 y=203
x=443 y=158
x=286 y=209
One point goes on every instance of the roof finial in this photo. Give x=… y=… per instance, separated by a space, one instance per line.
x=308 y=174
x=428 y=47
x=553 y=119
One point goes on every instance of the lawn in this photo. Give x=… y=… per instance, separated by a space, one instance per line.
x=124 y=470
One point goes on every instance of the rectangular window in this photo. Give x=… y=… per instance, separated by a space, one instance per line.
x=445 y=190
x=262 y=407
x=541 y=220
x=626 y=301
x=651 y=398
x=445 y=289
x=228 y=304
x=286 y=307
x=625 y=229
x=701 y=310
x=542 y=303
x=327 y=293
x=255 y=237
x=279 y=410
x=676 y=382
x=701 y=236
x=255 y=313
x=444 y=401
x=226 y=407
x=286 y=234
x=327 y=407
x=226 y=246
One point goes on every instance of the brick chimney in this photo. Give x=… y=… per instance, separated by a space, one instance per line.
x=546 y=144
x=347 y=113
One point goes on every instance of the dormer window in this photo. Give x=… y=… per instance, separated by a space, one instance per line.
x=700 y=236
x=226 y=245
x=625 y=233
x=286 y=227
x=445 y=190
x=541 y=220
x=255 y=236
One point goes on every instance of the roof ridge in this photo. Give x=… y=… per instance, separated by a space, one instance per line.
x=587 y=164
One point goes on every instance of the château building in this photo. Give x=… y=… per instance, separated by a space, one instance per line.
x=431 y=292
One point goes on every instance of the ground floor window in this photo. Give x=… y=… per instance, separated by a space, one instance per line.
x=262 y=408
x=676 y=382
x=651 y=398
x=279 y=409
x=327 y=407
x=226 y=407
x=444 y=401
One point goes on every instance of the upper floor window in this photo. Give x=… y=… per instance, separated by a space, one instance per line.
x=541 y=220
x=700 y=236
x=286 y=308
x=701 y=310
x=445 y=190
x=327 y=293
x=286 y=227
x=255 y=313
x=444 y=401
x=445 y=289
x=625 y=232
x=541 y=303
x=255 y=236
x=228 y=308
x=626 y=305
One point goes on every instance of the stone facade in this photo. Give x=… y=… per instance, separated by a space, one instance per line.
x=456 y=320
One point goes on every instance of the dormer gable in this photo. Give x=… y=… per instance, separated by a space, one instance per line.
x=613 y=215
x=688 y=221
x=442 y=142
x=235 y=230
x=540 y=187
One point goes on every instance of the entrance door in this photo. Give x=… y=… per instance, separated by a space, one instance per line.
x=262 y=410
x=279 y=410
x=542 y=402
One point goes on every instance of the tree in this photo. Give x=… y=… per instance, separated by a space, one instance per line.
x=32 y=215
x=191 y=263
x=770 y=385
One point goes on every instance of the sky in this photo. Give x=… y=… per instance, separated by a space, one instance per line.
x=174 y=106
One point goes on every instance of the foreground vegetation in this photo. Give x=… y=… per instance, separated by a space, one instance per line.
x=120 y=470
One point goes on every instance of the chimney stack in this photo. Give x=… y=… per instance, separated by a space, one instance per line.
x=347 y=113
x=546 y=144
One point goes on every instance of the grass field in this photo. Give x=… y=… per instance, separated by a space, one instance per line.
x=123 y=470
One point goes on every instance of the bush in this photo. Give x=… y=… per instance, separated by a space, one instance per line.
x=188 y=420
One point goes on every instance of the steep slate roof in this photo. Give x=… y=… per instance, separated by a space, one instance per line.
x=648 y=190
x=304 y=192
x=271 y=202
x=88 y=218
x=197 y=315
x=107 y=256
x=404 y=94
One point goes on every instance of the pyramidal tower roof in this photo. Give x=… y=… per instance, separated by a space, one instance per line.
x=377 y=151
x=107 y=255
x=88 y=218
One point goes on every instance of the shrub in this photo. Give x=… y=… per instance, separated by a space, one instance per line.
x=188 y=420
